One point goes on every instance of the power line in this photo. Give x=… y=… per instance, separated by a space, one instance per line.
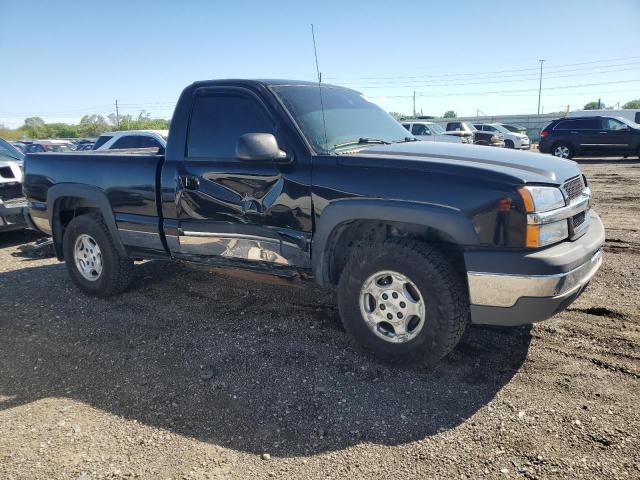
x=528 y=79
x=449 y=75
x=498 y=92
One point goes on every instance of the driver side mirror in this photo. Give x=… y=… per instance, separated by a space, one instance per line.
x=260 y=147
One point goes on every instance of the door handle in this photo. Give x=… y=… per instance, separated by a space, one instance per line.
x=604 y=132
x=189 y=182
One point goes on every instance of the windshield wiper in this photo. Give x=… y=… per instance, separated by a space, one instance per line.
x=407 y=139
x=361 y=141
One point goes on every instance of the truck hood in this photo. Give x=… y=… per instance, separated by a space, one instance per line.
x=526 y=167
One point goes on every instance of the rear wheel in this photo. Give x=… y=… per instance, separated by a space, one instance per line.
x=402 y=301
x=94 y=263
x=562 y=150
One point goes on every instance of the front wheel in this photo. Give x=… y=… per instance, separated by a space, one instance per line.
x=509 y=144
x=562 y=150
x=402 y=301
x=94 y=263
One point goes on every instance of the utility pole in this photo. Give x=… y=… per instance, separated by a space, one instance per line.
x=599 y=104
x=414 y=104
x=540 y=85
x=117 y=115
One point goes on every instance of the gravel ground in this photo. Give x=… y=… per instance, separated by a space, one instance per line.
x=194 y=375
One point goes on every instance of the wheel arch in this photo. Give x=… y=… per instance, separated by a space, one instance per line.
x=344 y=222
x=67 y=201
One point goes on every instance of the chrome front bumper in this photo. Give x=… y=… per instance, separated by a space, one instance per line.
x=530 y=287
x=504 y=290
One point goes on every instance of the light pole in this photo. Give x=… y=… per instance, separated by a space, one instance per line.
x=540 y=86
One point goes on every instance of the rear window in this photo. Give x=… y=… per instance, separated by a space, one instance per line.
x=102 y=139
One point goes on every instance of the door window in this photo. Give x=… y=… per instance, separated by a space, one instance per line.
x=612 y=124
x=149 y=142
x=419 y=129
x=585 y=124
x=128 y=141
x=217 y=121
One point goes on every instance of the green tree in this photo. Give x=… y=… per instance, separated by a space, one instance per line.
x=593 y=106
x=34 y=127
x=632 y=104
x=92 y=126
x=450 y=114
x=399 y=116
x=61 y=130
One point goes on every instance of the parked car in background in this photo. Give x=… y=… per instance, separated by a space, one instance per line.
x=131 y=139
x=433 y=132
x=84 y=146
x=511 y=139
x=632 y=114
x=598 y=136
x=479 y=137
x=22 y=147
x=43 y=146
x=515 y=128
x=13 y=205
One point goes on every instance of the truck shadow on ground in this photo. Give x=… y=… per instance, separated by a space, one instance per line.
x=247 y=366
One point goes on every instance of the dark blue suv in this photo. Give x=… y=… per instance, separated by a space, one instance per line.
x=590 y=136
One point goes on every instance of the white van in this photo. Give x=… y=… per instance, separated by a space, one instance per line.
x=632 y=114
x=130 y=139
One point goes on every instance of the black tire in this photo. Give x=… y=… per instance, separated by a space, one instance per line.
x=568 y=146
x=483 y=143
x=117 y=270
x=509 y=144
x=441 y=286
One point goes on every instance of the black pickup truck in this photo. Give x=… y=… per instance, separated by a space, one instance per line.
x=307 y=182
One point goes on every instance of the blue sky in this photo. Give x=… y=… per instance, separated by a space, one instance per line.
x=61 y=60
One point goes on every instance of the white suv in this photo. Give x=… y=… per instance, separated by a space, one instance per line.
x=511 y=139
x=431 y=131
x=129 y=139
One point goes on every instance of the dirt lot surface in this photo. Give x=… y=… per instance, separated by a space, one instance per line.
x=194 y=375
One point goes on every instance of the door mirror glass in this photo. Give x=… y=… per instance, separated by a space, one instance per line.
x=260 y=147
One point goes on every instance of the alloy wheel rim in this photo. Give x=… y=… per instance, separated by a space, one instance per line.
x=88 y=257
x=562 y=151
x=392 y=306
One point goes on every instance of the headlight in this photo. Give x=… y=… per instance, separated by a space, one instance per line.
x=541 y=199
x=542 y=235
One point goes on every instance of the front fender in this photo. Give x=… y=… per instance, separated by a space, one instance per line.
x=449 y=221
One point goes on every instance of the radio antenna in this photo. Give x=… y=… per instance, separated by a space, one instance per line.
x=315 y=53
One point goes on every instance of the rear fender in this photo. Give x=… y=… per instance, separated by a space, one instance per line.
x=92 y=196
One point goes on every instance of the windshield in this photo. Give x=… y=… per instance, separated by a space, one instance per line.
x=349 y=117
x=500 y=128
x=9 y=152
x=628 y=122
x=436 y=129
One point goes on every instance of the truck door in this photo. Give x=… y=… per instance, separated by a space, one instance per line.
x=256 y=213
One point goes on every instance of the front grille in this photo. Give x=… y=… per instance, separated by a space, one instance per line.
x=574 y=187
x=578 y=219
x=10 y=190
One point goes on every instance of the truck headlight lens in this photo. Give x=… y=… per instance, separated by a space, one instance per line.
x=546 y=234
x=541 y=199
